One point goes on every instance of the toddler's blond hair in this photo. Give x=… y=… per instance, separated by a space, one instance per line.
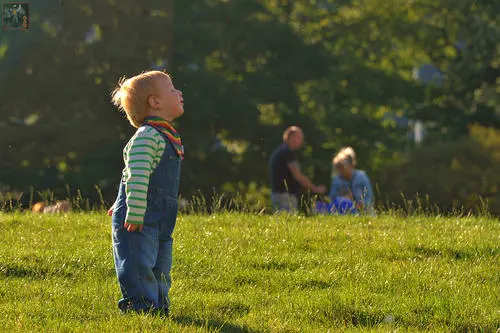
x=132 y=95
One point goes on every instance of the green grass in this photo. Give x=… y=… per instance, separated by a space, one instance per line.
x=249 y=273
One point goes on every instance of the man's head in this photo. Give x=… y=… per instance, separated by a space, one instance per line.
x=293 y=137
x=344 y=162
x=148 y=94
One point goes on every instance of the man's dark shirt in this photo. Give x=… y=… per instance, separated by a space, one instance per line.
x=281 y=178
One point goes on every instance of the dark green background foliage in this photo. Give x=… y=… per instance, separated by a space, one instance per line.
x=248 y=69
x=447 y=175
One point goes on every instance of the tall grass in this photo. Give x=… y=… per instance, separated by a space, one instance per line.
x=254 y=201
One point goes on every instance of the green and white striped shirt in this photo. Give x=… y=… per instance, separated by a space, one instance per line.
x=141 y=155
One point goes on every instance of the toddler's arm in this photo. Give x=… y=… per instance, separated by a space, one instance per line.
x=141 y=152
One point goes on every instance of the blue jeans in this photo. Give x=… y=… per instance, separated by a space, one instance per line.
x=143 y=261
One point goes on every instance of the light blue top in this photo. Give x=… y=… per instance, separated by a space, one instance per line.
x=360 y=187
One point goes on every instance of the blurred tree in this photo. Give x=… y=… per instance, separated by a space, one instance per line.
x=463 y=175
x=248 y=69
x=252 y=69
x=58 y=112
x=460 y=39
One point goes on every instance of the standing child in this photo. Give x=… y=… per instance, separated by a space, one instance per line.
x=145 y=211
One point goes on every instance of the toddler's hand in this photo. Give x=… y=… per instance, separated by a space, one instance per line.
x=133 y=227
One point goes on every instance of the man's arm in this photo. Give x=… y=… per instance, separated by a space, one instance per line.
x=303 y=180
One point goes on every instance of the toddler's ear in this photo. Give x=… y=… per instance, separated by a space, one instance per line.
x=153 y=102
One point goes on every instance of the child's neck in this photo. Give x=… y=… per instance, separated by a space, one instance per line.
x=154 y=113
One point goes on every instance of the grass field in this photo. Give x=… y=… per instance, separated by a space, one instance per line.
x=250 y=273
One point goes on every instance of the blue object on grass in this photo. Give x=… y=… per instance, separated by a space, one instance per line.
x=340 y=206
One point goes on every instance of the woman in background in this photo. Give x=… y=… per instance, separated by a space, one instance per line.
x=349 y=179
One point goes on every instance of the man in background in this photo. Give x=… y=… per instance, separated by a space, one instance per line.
x=286 y=177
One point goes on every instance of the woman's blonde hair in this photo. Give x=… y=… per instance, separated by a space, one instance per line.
x=132 y=95
x=345 y=156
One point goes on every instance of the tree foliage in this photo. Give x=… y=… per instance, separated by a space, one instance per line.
x=342 y=70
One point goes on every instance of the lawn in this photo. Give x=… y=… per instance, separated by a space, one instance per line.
x=251 y=273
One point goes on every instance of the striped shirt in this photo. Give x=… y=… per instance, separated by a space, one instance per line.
x=141 y=155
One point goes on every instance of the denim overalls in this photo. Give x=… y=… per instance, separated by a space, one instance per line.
x=143 y=260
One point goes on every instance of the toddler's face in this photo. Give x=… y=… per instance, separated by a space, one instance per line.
x=170 y=100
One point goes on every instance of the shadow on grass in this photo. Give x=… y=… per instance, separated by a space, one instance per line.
x=12 y=270
x=217 y=325
x=364 y=319
x=346 y=315
x=242 y=280
x=427 y=321
x=314 y=284
x=276 y=265
x=425 y=252
x=455 y=254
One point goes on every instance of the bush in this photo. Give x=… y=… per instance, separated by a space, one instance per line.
x=447 y=176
